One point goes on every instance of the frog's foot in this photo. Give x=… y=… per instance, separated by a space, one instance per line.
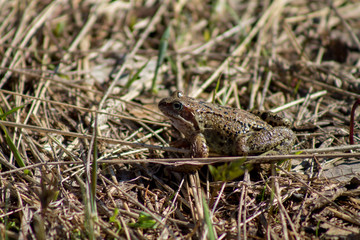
x=199 y=148
x=278 y=140
x=284 y=148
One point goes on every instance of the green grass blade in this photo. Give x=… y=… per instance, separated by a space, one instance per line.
x=114 y=220
x=207 y=216
x=161 y=55
x=216 y=90
x=14 y=149
x=4 y=115
x=136 y=76
x=8 y=139
x=94 y=169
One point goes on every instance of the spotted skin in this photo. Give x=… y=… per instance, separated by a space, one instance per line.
x=227 y=131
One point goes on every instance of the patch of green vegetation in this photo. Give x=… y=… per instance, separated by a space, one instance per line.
x=229 y=171
x=113 y=219
x=145 y=221
x=59 y=29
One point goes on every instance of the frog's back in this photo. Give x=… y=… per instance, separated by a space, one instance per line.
x=221 y=126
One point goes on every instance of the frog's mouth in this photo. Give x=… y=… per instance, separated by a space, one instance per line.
x=183 y=125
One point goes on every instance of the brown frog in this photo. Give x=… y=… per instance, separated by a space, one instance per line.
x=227 y=131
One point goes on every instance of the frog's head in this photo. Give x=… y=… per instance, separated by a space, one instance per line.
x=181 y=112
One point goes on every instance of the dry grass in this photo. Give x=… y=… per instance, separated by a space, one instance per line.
x=83 y=72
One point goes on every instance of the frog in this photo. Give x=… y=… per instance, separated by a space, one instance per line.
x=227 y=131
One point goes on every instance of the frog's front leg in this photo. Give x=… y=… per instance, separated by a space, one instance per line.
x=199 y=148
x=278 y=140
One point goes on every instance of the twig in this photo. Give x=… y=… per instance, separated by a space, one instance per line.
x=352 y=121
x=301 y=100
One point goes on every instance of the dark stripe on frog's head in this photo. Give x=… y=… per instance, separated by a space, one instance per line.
x=189 y=115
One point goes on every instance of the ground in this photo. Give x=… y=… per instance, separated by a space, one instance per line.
x=85 y=153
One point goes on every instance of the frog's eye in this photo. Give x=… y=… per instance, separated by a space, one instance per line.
x=177 y=105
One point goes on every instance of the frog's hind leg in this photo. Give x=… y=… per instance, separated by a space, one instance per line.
x=283 y=148
x=278 y=140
